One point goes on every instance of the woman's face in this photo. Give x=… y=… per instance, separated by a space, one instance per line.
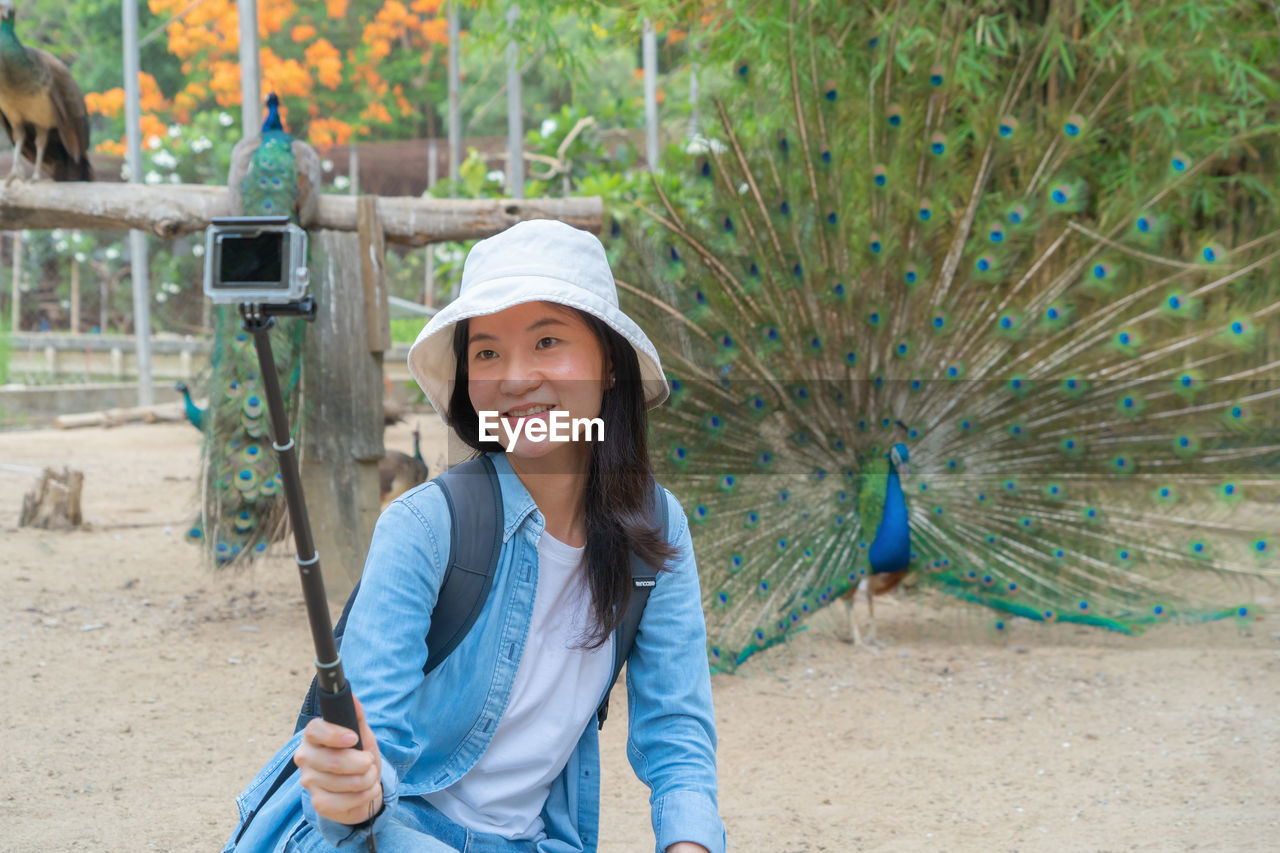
x=535 y=356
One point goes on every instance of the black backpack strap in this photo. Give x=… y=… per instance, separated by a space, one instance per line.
x=475 y=500
x=643 y=580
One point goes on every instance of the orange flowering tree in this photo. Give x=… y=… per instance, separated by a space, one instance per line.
x=342 y=69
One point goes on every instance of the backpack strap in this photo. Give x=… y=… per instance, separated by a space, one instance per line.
x=474 y=496
x=643 y=579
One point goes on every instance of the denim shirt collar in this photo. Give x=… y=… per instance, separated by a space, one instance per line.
x=516 y=500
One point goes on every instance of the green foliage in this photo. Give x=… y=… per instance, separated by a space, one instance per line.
x=6 y=350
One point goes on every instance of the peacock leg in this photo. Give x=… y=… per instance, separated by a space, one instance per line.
x=42 y=140
x=19 y=140
x=871 y=616
x=852 y=635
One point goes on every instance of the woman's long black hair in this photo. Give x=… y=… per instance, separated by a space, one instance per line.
x=619 y=491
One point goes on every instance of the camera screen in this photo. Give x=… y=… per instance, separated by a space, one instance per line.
x=252 y=260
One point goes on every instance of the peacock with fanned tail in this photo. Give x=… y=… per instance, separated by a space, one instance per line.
x=963 y=239
x=242 y=504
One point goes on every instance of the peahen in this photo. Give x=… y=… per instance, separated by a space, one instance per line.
x=41 y=108
x=242 y=505
x=967 y=234
x=398 y=472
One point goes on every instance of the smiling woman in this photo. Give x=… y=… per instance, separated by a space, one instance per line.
x=495 y=749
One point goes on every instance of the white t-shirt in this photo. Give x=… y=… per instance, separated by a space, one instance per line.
x=555 y=693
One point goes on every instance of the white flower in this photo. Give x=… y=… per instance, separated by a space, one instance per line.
x=164 y=160
x=62 y=246
x=152 y=177
x=81 y=257
x=197 y=250
x=112 y=253
x=201 y=144
x=326 y=165
x=162 y=297
x=65 y=303
x=154 y=142
x=175 y=178
x=497 y=175
x=342 y=182
x=549 y=126
x=56 y=233
x=225 y=119
x=175 y=130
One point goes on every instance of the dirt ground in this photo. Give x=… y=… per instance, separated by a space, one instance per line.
x=145 y=690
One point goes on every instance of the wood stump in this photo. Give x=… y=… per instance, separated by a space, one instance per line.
x=55 y=501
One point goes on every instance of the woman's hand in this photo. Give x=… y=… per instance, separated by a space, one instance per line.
x=345 y=783
x=686 y=847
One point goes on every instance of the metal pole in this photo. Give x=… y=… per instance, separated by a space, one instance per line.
x=250 y=70
x=137 y=239
x=455 y=96
x=433 y=169
x=15 y=305
x=515 y=120
x=353 y=166
x=649 y=50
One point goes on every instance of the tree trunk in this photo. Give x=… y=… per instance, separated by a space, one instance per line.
x=55 y=501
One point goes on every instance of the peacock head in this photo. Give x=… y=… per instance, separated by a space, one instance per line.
x=272 y=121
x=900 y=456
x=7 y=11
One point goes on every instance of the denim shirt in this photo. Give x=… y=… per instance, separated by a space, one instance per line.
x=432 y=730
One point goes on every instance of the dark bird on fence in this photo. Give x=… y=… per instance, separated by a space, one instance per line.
x=892 y=217
x=42 y=109
x=195 y=414
x=398 y=472
x=242 y=503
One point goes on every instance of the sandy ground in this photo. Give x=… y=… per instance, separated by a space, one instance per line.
x=143 y=691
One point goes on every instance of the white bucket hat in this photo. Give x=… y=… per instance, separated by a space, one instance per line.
x=539 y=260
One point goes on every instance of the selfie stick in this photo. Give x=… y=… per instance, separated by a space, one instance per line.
x=333 y=692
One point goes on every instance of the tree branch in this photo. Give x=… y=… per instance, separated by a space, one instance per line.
x=174 y=209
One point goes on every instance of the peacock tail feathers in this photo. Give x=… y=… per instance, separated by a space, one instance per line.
x=1007 y=250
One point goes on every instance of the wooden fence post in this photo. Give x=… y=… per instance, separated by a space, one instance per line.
x=342 y=406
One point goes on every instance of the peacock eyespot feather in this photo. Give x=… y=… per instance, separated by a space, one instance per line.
x=1074 y=124
x=1179 y=162
x=894 y=115
x=938 y=144
x=1008 y=125
x=1060 y=194
x=936 y=75
x=910 y=275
